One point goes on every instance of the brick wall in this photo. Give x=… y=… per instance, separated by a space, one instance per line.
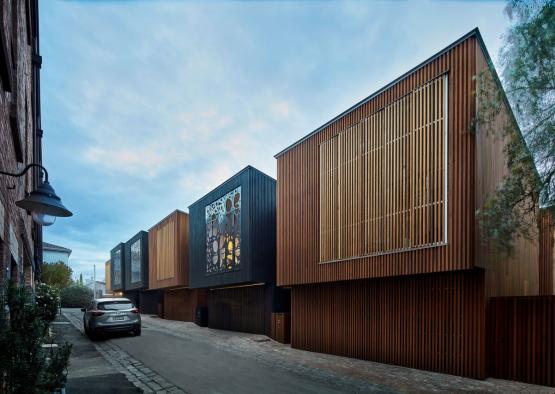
x=18 y=137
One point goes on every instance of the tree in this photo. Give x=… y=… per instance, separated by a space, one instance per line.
x=76 y=296
x=528 y=71
x=57 y=274
x=81 y=279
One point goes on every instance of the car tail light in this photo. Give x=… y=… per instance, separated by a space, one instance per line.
x=135 y=310
x=97 y=313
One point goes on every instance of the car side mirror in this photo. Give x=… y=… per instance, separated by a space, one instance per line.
x=83 y=309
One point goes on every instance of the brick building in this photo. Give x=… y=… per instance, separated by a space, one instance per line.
x=20 y=138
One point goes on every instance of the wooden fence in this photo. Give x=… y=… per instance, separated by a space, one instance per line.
x=522 y=339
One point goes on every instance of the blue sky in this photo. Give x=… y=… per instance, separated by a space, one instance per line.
x=148 y=105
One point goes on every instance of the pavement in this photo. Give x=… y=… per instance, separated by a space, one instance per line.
x=88 y=371
x=176 y=357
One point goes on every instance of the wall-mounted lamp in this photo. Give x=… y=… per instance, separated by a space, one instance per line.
x=43 y=203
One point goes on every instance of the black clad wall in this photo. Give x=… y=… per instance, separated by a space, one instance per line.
x=117 y=266
x=257 y=230
x=136 y=262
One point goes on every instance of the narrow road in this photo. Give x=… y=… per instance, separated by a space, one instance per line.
x=199 y=366
x=176 y=357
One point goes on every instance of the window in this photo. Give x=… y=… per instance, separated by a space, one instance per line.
x=115 y=306
x=382 y=181
x=117 y=267
x=223 y=233
x=136 y=261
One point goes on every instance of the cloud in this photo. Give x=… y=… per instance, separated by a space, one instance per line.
x=168 y=99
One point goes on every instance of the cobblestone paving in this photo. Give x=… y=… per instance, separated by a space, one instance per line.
x=137 y=373
x=330 y=367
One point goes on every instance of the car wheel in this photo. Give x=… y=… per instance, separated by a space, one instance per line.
x=137 y=332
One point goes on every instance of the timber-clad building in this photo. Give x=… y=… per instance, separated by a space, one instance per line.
x=368 y=245
x=376 y=228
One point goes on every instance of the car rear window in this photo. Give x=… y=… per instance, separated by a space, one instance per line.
x=115 y=305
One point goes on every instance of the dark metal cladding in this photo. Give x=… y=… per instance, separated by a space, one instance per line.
x=117 y=267
x=136 y=262
x=254 y=261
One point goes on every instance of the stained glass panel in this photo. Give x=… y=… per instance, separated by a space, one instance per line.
x=223 y=233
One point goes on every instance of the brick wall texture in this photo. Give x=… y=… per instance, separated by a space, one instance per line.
x=18 y=233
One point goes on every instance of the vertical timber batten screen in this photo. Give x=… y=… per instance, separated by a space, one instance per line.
x=383 y=181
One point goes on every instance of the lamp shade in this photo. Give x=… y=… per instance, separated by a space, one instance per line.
x=43 y=200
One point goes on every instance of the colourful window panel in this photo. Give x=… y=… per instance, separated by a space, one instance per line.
x=223 y=233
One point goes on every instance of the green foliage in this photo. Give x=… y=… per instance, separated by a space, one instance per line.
x=528 y=62
x=56 y=274
x=25 y=366
x=76 y=296
x=81 y=279
x=48 y=301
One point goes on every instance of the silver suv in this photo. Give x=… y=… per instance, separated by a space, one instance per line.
x=111 y=315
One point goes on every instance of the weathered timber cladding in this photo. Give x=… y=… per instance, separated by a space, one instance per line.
x=136 y=262
x=516 y=274
x=298 y=188
x=107 y=276
x=281 y=327
x=181 y=304
x=431 y=321
x=521 y=339
x=245 y=309
x=168 y=250
x=547 y=253
x=117 y=267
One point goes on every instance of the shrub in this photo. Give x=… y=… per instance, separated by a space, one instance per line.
x=76 y=296
x=48 y=301
x=25 y=366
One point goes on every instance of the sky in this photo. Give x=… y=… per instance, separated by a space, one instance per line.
x=149 y=105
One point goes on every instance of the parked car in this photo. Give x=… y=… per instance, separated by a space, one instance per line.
x=105 y=315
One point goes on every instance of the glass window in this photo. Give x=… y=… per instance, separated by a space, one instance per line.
x=115 y=305
x=223 y=233
x=117 y=267
x=136 y=261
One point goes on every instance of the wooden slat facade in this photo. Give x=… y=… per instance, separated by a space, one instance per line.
x=432 y=321
x=181 y=303
x=516 y=274
x=245 y=309
x=168 y=243
x=382 y=181
x=107 y=276
x=377 y=235
x=299 y=189
x=547 y=253
x=521 y=339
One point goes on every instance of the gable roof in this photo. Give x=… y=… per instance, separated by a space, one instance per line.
x=473 y=33
x=247 y=168
x=55 y=248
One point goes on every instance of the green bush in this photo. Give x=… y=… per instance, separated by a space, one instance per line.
x=76 y=296
x=48 y=301
x=25 y=366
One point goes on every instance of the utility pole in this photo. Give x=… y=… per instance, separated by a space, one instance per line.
x=94 y=280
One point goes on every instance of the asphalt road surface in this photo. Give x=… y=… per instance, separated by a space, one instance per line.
x=199 y=367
